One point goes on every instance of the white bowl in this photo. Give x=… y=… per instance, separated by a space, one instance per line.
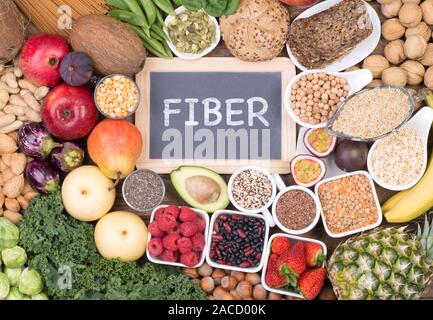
x=358 y=53
x=192 y=56
x=421 y=122
x=356 y=80
x=376 y=200
x=209 y=242
x=153 y=259
x=230 y=186
x=268 y=253
x=313 y=223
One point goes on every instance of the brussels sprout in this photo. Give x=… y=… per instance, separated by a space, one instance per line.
x=40 y=296
x=30 y=282
x=14 y=257
x=9 y=234
x=13 y=275
x=15 y=294
x=4 y=286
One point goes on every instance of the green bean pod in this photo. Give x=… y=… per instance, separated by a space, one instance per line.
x=149 y=10
x=159 y=17
x=155 y=44
x=119 y=4
x=134 y=7
x=128 y=17
x=159 y=31
x=165 y=6
x=155 y=36
x=167 y=49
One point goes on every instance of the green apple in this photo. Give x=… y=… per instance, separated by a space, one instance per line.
x=87 y=194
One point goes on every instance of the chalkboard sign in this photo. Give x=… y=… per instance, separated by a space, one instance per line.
x=217 y=112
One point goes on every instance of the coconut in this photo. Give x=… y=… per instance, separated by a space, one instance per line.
x=12 y=31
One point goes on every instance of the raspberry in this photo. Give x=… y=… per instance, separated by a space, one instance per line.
x=158 y=214
x=166 y=222
x=155 y=231
x=190 y=259
x=187 y=214
x=201 y=224
x=184 y=245
x=172 y=210
x=155 y=247
x=169 y=256
x=169 y=242
x=198 y=242
x=188 y=229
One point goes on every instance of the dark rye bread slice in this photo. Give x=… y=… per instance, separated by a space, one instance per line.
x=325 y=37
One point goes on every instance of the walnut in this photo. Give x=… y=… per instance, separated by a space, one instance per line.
x=427 y=58
x=394 y=76
x=422 y=29
x=415 y=46
x=390 y=10
x=384 y=1
x=415 y=71
x=392 y=29
x=428 y=78
x=376 y=64
x=410 y=14
x=394 y=51
x=427 y=11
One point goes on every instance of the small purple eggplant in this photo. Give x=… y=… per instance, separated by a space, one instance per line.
x=35 y=141
x=43 y=176
x=67 y=157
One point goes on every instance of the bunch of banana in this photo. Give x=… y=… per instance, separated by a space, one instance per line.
x=410 y=204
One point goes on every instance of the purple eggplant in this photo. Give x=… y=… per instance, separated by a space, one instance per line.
x=67 y=157
x=35 y=141
x=43 y=176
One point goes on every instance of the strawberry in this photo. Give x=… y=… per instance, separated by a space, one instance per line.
x=311 y=282
x=280 y=245
x=291 y=264
x=273 y=278
x=314 y=256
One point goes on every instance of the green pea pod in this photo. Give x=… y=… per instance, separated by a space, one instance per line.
x=159 y=17
x=159 y=31
x=155 y=36
x=165 y=6
x=119 y=4
x=128 y=17
x=134 y=7
x=149 y=10
x=157 y=46
x=232 y=7
x=167 y=49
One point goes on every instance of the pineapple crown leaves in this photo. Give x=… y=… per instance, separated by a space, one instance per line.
x=425 y=237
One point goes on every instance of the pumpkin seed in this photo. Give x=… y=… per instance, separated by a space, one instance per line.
x=191 y=31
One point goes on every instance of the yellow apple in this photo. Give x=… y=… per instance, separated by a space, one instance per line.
x=121 y=235
x=87 y=194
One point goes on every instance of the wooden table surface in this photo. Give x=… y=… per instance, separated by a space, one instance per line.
x=318 y=232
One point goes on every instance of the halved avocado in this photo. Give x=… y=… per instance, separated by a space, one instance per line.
x=201 y=188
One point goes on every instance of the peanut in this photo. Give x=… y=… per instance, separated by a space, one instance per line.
x=14 y=186
x=12 y=205
x=17 y=100
x=14 y=217
x=41 y=92
x=7 y=144
x=23 y=202
x=10 y=90
x=14 y=136
x=18 y=163
x=6 y=157
x=10 y=79
x=30 y=100
x=12 y=127
x=15 y=110
x=25 y=84
x=17 y=72
x=6 y=120
x=30 y=195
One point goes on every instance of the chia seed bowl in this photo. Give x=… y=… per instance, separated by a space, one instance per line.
x=143 y=186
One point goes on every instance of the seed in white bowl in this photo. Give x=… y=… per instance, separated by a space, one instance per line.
x=252 y=189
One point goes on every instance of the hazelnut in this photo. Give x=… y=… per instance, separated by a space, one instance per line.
x=394 y=51
x=375 y=83
x=376 y=64
x=415 y=71
x=415 y=46
x=422 y=29
x=427 y=11
x=410 y=14
x=428 y=78
x=427 y=58
x=394 y=76
x=390 y=10
x=392 y=29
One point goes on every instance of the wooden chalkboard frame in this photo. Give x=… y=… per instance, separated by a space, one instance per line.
x=142 y=118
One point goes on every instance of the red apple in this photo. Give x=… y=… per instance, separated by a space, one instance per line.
x=69 y=113
x=40 y=58
x=299 y=3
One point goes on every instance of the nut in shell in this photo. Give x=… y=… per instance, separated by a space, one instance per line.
x=376 y=64
x=415 y=46
x=410 y=14
x=415 y=71
x=427 y=11
x=428 y=78
x=390 y=10
x=422 y=29
x=394 y=51
x=392 y=29
x=394 y=76
x=427 y=58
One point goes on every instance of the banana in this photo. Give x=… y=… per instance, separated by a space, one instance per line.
x=417 y=201
x=391 y=202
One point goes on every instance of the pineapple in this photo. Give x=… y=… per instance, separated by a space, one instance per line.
x=383 y=264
